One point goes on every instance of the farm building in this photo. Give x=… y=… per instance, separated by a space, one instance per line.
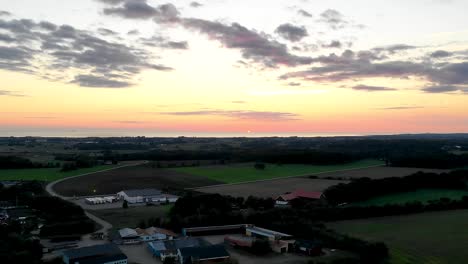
x=146 y=196
x=128 y=236
x=203 y=254
x=101 y=200
x=286 y=198
x=154 y=233
x=100 y=254
x=307 y=247
x=169 y=248
x=215 y=230
x=279 y=242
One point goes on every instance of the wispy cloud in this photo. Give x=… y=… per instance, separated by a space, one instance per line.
x=240 y=114
x=400 y=108
x=11 y=93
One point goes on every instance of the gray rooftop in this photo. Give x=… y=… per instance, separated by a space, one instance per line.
x=95 y=254
x=142 y=192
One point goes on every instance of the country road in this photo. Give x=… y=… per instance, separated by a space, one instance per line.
x=105 y=225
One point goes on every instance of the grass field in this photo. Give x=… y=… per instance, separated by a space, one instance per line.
x=48 y=174
x=429 y=238
x=131 y=217
x=246 y=172
x=421 y=195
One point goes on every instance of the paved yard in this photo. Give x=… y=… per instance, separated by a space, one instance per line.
x=139 y=254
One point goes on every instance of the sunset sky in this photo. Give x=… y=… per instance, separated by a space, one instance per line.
x=232 y=67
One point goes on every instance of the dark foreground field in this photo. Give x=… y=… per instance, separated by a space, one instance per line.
x=271 y=188
x=437 y=237
x=377 y=172
x=142 y=176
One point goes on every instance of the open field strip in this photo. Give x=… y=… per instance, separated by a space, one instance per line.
x=243 y=173
x=435 y=237
x=422 y=196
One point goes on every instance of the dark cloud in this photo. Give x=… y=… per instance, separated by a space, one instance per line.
x=350 y=65
x=304 y=13
x=291 y=32
x=240 y=114
x=440 y=54
x=107 y=32
x=11 y=93
x=333 y=19
x=111 y=2
x=195 y=4
x=99 y=82
x=392 y=49
x=294 y=84
x=134 y=9
x=452 y=73
x=158 y=41
x=253 y=45
x=4 y=13
x=6 y=38
x=336 y=44
x=369 y=88
x=441 y=89
x=133 y=32
x=64 y=48
x=167 y=13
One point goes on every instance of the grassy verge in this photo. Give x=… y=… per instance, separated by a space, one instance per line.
x=421 y=195
x=246 y=172
x=48 y=174
x=132 y=216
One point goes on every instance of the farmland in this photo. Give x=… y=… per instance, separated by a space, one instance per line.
x=46 y=174
x=142 y=176
x=245 y=172
x=377 y=172
x=270 y=188
x=420 y=195
x=438 y=237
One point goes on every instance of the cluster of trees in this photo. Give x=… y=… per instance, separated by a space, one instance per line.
x=435 y=160
x=78 y=162
x=214 y=209
x=365 y=188
x=61 y=218
x=18 y=247
x=13 y=162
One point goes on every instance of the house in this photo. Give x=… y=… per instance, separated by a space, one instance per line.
x=128 y=236
x=286 y=198
x=100 y=254
x=146 y=196
x=154 y=233
x=169 y=248
x=203 y=254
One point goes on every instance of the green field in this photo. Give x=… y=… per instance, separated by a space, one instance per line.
x=434 y=238
x=49 y=174
x=421 y=195
x=246 y=171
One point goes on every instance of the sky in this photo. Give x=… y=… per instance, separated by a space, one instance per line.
x=232 y=67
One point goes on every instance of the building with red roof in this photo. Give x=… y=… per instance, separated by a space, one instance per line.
x=284 y=199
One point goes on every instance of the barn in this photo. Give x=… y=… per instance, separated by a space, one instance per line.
x=285 y=199
x=146 y=196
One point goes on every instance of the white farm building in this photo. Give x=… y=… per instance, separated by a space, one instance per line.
x=146 y=196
